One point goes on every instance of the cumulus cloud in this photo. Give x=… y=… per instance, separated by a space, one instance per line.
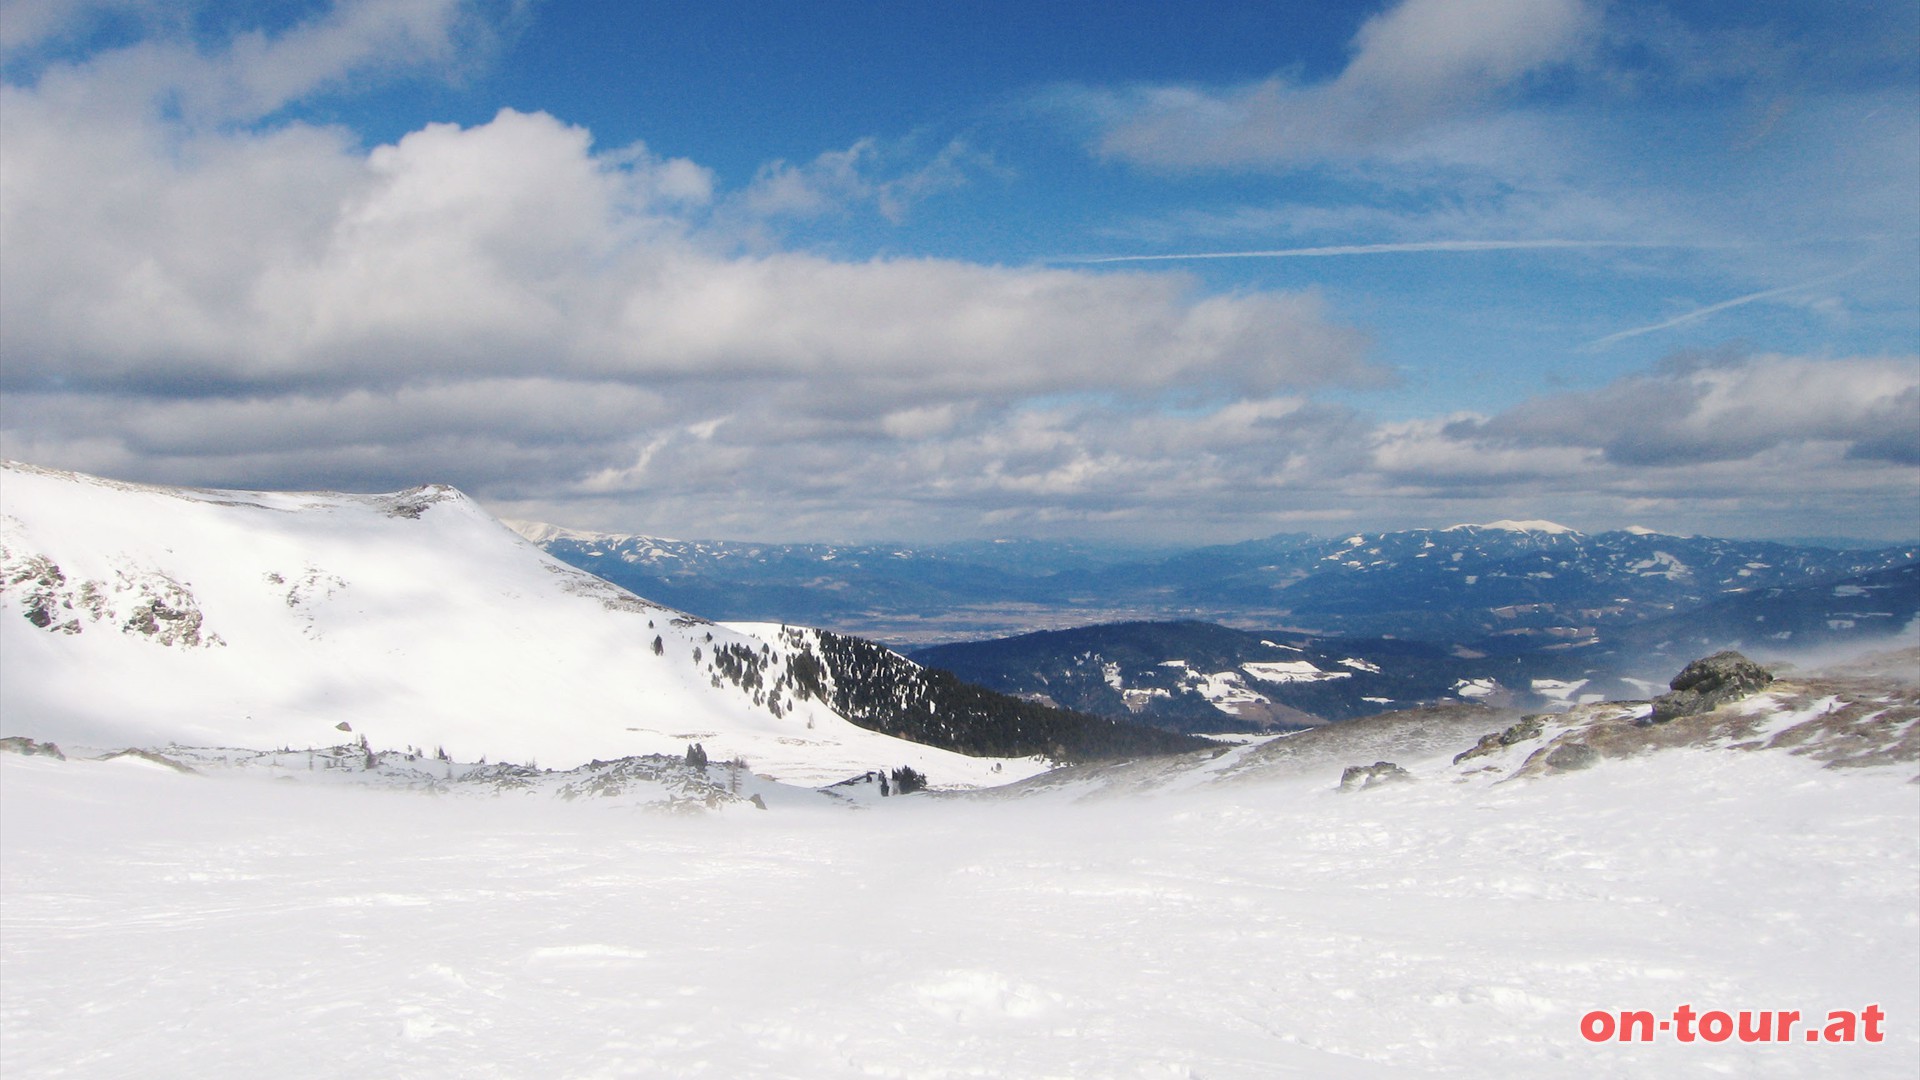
x=213 y=298
x=1697 y=444
x=1414 y=65
x=576 y=333
x=1696 y=411
x=1751 y=444
x=136 y=253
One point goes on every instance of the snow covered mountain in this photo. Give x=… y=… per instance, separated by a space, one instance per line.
x=133 y=615
x=1530 y=582
x=1528 y=613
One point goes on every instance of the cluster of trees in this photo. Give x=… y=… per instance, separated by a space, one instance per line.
x=883 y=691
x=741 y=665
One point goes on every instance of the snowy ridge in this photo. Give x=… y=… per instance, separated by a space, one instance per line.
x=1506 y=525
x=135 y=615
x=539 y=532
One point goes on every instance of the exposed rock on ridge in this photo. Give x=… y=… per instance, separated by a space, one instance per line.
x=1709 y=683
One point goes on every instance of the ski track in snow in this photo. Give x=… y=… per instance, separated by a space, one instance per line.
x=162 y=925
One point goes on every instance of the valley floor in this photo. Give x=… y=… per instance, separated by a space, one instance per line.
x=160 y=925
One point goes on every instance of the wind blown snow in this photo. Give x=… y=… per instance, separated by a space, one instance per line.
x=160 y=924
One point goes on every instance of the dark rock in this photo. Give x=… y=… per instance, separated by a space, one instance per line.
x=413 y=502
x=1361 y=777
x=1529 y=727
x=1707 y=684
x=1573 y=756
x=17 y=744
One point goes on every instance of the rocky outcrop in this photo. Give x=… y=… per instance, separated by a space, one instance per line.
x=677 y=783
x=1707 y=684
x=144 y=603
x=1529 y=727
x=1361 y=777
x=1571 y=757
x=20 y=744
x=415 y=501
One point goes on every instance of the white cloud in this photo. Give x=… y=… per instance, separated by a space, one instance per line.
x=507 y=307
x=889 y=178
x=255 y=72
x=1725 y=410
x=572 y=333
x=288 y=257
x=25 y=24
x=1434 y=51
x=1420 y=63
x=1763 y=446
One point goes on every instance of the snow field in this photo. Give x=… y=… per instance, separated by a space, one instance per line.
x=156 y=924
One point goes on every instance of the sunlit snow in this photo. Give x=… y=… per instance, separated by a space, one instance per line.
x=416 y=618
x=1227 y=914
x=157 y=924
x=1286 y=671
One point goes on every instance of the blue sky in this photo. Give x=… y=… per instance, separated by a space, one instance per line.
x=1139 y=271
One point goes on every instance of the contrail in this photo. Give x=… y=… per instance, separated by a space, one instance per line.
x=1382 y=249
x=1703 y=312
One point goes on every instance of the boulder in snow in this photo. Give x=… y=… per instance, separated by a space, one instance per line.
x=1707 y=684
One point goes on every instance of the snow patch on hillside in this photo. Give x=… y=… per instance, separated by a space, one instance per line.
x=1475 y=688
x=1662 y=564
x=1290 y=671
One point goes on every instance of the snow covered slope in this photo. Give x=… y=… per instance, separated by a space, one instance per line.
x=1243 y=919
x=134 y=615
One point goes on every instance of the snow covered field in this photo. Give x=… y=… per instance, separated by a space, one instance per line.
x=162 y=925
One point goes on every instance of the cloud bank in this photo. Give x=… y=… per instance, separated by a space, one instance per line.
x=196 y=287
x=1413 y=66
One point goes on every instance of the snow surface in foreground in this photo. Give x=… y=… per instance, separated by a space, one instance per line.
x=156 y=924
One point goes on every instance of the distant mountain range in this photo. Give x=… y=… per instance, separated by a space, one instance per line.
x=135 y=615
x=1295 y=629
x=1522 y=579
x=1186 y=676
x=1202 y=677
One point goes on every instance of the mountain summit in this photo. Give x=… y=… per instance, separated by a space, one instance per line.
x=141 y=615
